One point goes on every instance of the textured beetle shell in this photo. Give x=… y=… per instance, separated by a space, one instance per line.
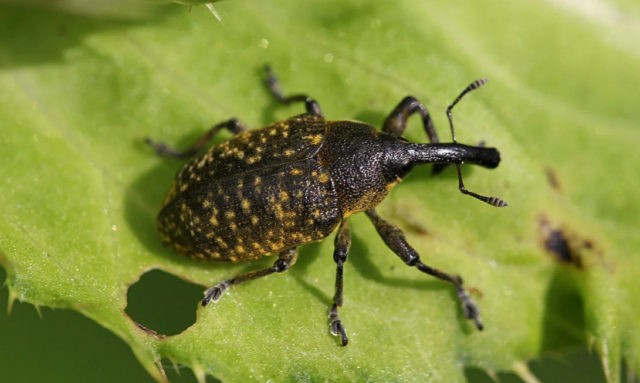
x=261 y=192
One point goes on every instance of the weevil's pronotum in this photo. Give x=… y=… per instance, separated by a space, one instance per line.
x=270 y=190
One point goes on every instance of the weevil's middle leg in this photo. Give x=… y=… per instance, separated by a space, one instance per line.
x=233 y=125
x=340 y=254
x=273 y=85
x=285 y=260
x=395 y=240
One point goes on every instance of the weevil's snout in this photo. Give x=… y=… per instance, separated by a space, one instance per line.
x=487 y=157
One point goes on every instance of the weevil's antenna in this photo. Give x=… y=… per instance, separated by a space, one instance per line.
x=493 y=201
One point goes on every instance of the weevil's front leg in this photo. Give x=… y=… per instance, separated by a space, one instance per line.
x=273 y=85
x=233 y=125
x=286 y=259
x=396 y=122
x=340 y=254
x=395 y=240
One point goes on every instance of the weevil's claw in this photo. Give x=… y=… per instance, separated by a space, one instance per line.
x=335 y=326
x=214 y=293
x=471 y=312
x=469 y=308
x=337 y=329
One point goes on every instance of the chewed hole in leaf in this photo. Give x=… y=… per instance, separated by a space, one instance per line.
x=163 y=304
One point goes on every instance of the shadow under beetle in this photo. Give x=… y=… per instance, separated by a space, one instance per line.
x=295 y=181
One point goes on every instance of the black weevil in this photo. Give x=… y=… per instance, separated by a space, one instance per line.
x=295 y=181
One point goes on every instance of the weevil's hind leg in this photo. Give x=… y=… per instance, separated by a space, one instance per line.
x=233 y=125
x=273 y=85
x=340 y=254
x=396 y=122
x=285 y=260
x=395 y=240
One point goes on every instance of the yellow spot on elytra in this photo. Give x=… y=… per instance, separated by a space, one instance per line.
x=233 y=227
x=289 y=152
x=214 y=220
x=316 y=213
x=245 y=204
x=299 y=194
x=309 y=222
x=323 y=178
x=279 y=212
x=275 y=246
x=222 y=243
x=254 y=219
x=315 y=139
x=240 y=249
x=256 y=246
x=296 y=172
x=284 y=196
x=229 y=214
x=291 y=214
x=257 y=181
x=273 y=132
x=206 y=204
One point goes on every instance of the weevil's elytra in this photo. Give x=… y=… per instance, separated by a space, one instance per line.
x=270 y=190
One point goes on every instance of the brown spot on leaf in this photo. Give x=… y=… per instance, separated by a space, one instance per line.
x=552 y=178
x=565 y=245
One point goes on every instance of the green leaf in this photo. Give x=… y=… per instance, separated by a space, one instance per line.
x=80 y=189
